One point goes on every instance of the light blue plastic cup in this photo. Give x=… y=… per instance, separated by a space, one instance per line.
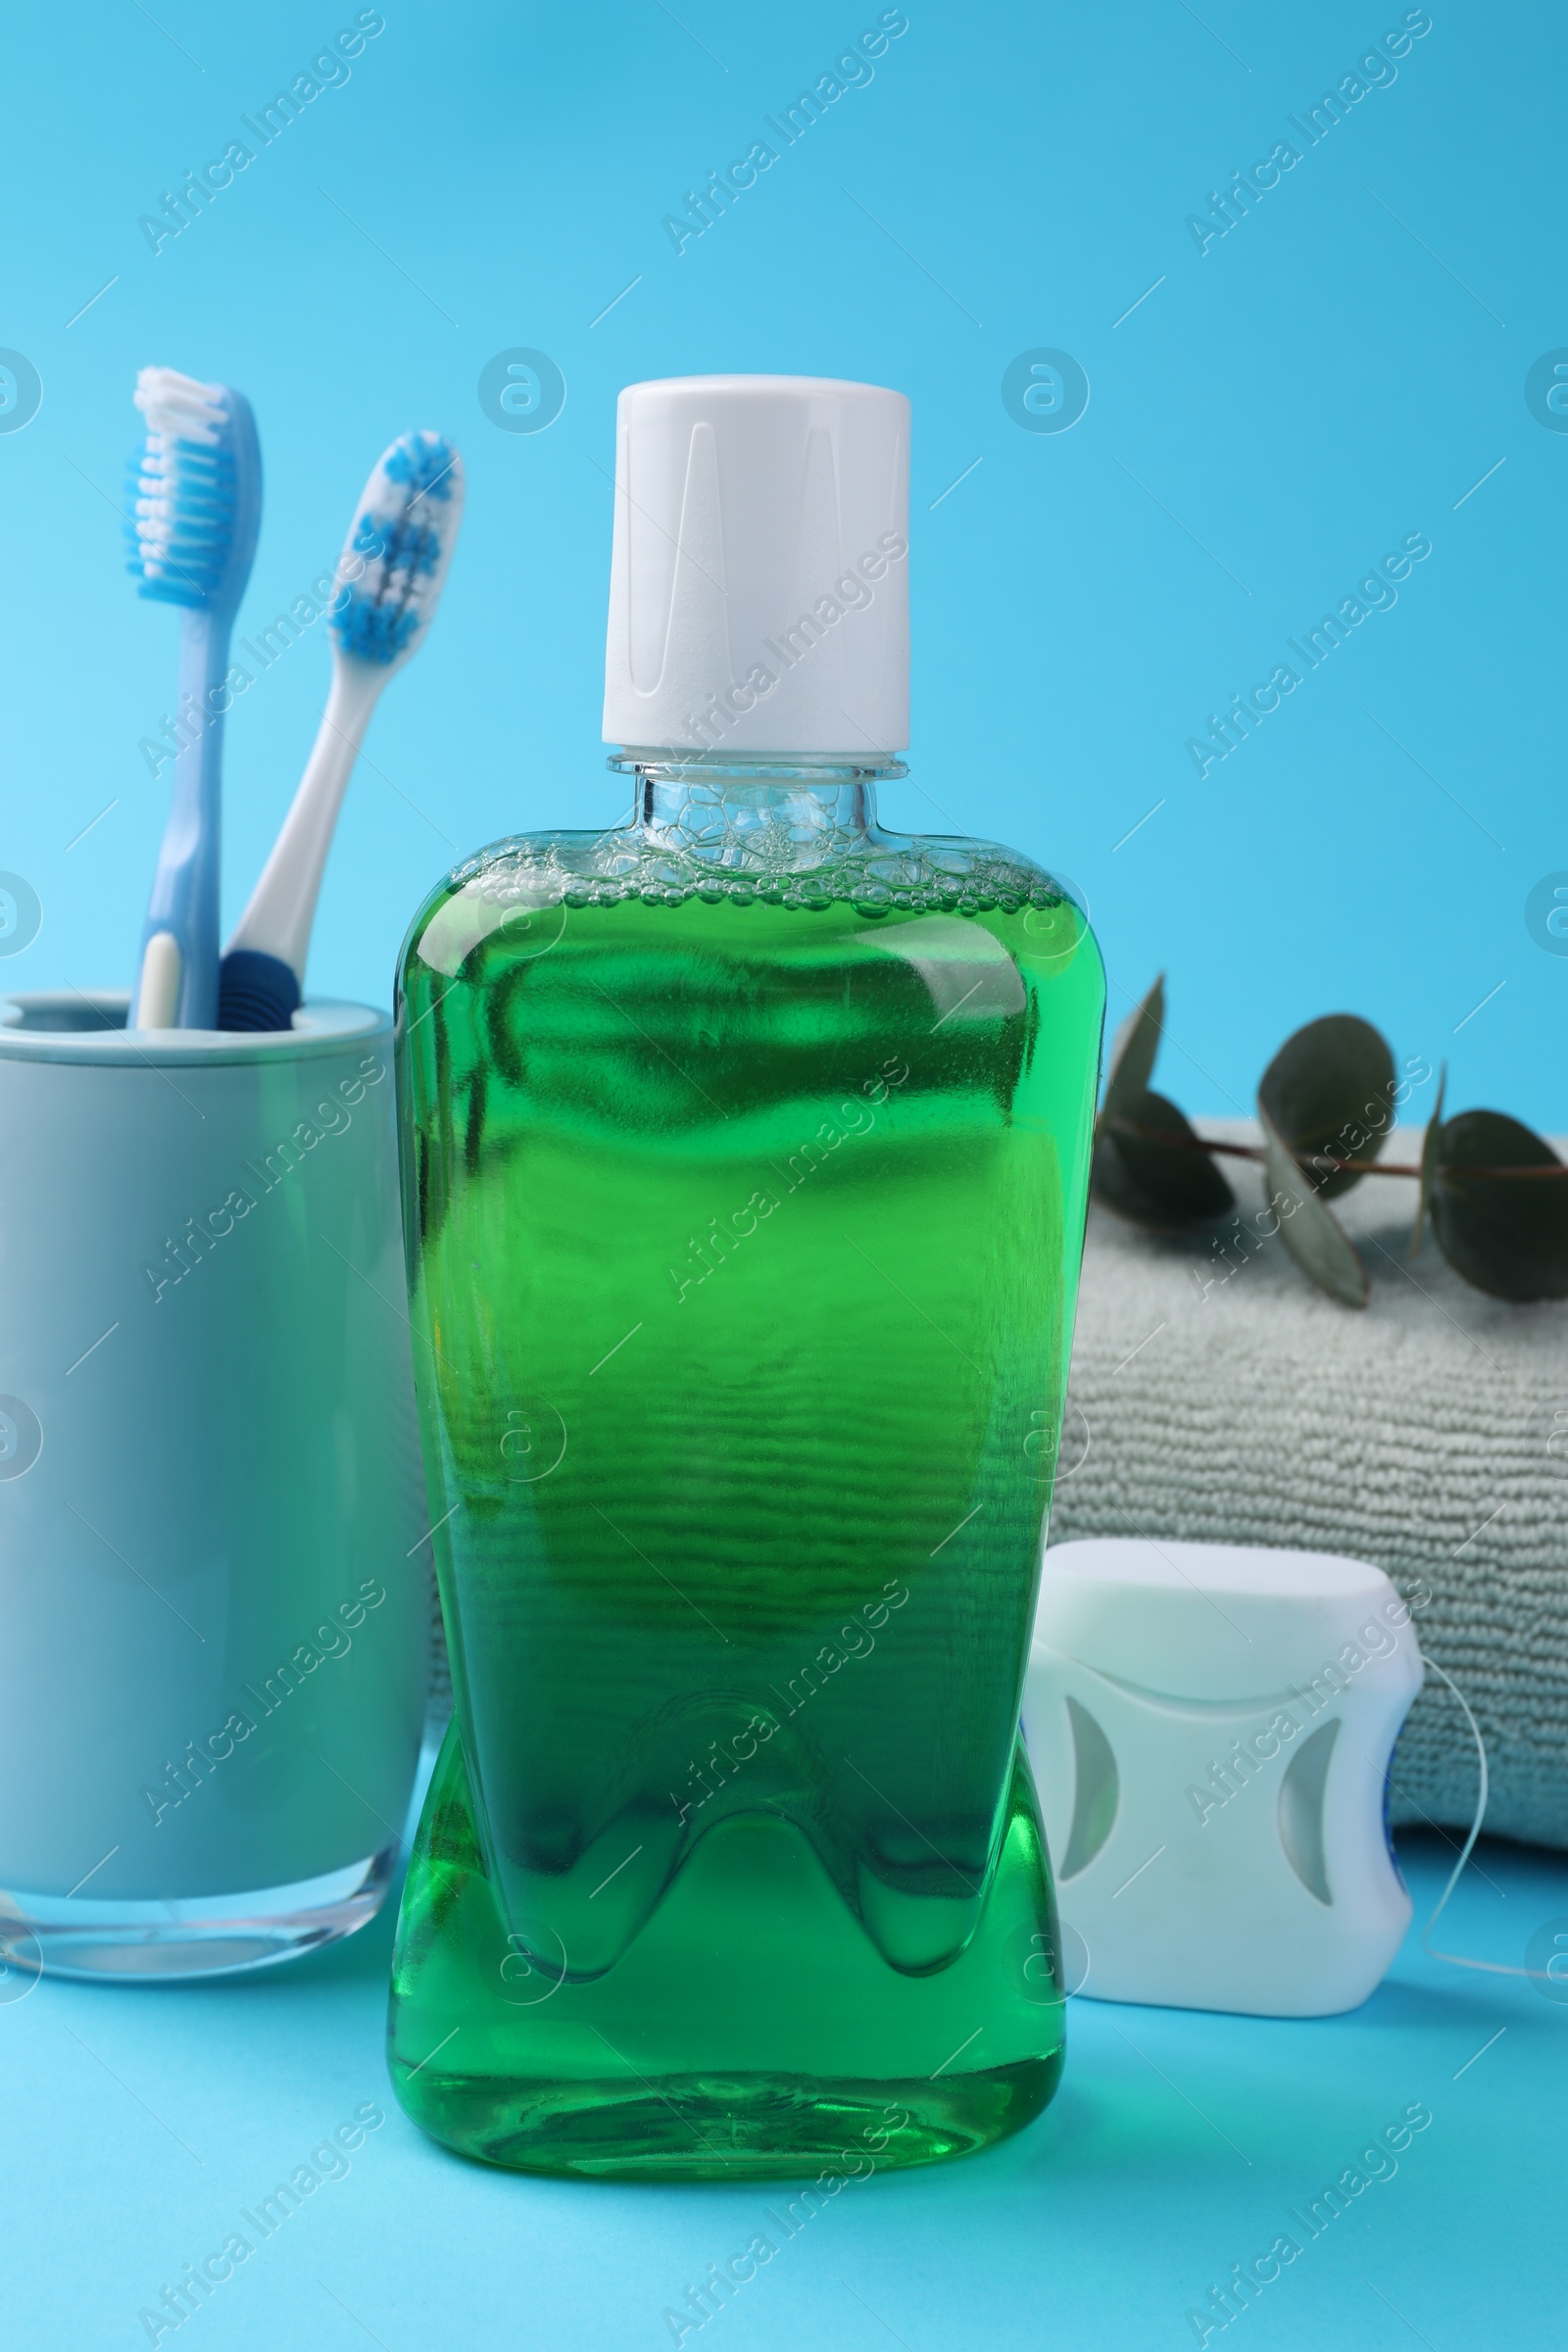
x=213 y=1565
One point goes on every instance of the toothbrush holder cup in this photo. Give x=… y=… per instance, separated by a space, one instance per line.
x=214 y=1564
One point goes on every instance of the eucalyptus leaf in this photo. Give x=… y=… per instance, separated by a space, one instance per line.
x=1131 y=1055
x=1307 y=1228
x=1139 y=1175
x=1429 y=1163
x=1507 y=1235
x=1330 y=1090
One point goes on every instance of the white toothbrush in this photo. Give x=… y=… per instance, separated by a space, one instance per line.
x=389 y=579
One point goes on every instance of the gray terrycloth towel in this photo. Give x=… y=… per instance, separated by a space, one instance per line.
x=1217 y=1395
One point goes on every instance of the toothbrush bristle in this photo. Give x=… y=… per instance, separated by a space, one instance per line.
x=393 y=567
x=181 y=489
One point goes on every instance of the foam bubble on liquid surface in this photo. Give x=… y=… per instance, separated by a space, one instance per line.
x=767 y=856
x=797 y=853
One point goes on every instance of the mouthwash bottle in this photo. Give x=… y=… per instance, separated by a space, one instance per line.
x=745 y=1149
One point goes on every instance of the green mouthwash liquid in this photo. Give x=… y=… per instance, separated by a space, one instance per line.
x=745 y=1158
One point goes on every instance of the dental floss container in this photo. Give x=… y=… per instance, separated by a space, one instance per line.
x=1210 y=1728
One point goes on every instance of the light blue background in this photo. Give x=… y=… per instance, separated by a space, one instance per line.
x=139 y=2123
x=1275 y=416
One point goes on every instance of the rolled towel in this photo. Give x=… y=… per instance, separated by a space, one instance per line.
x=1217 y=1395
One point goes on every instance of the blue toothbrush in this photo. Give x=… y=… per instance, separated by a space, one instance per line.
x=197 y=499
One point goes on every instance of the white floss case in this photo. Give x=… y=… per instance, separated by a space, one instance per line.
x=1210 y=1727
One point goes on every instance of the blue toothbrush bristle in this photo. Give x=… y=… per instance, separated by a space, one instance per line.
x=180 y=524
x=397 y=554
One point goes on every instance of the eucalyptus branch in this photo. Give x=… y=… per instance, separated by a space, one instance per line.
x=1493 y=1190
x=1326 y=1162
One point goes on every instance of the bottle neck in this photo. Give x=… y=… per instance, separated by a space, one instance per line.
x=783 y=808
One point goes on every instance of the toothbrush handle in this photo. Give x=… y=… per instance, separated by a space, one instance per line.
x=183 y=904
x=283 y=905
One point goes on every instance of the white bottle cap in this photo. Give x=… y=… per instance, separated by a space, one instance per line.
x=759 y=585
